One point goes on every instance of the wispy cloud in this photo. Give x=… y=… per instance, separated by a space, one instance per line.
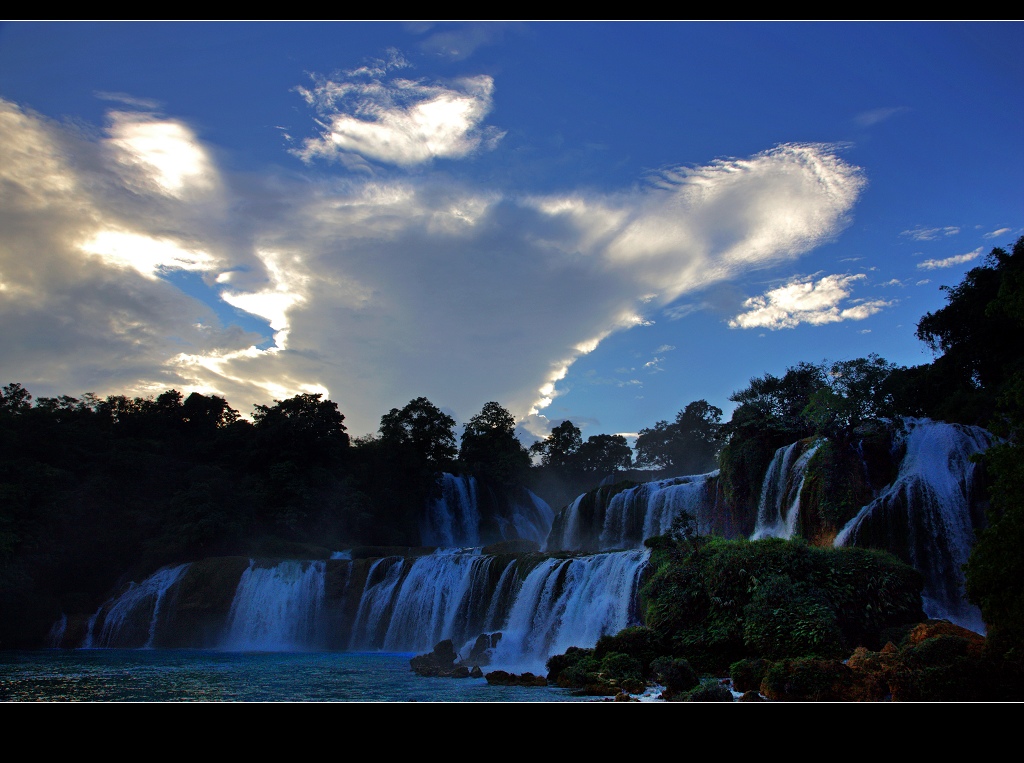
x=463 y=41
x=874 y=116
x=930 y=234
x=804 y=300
x=368 y=113
x=949 y=262
x=997 y=233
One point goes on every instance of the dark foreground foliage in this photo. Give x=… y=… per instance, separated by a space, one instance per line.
x=729 y=600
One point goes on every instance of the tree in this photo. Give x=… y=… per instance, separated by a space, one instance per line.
x=490 y=447
x=973 y=333
x=992 y=297
x=425 y=430
x=604 y=453
x=559 y=447
x=14 y=399
x=855 y=391
x=301 y=428
x=689 y=445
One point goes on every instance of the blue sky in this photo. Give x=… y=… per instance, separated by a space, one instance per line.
x=599 y=222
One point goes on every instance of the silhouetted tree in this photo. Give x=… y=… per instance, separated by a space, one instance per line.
x=490 y=448
x=560 y=446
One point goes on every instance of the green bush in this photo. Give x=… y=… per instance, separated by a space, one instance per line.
x=675 y=674
x=617 y=666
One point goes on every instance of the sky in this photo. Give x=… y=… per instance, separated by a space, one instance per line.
x=590 y=221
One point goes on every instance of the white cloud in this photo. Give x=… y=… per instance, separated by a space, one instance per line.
x=365 y=114
x=949 y=262
x=997 y=233
x=377 y=291
x=930 y=234
x=804 y=300
x=163 y=154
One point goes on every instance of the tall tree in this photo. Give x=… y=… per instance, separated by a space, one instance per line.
x=490 y=447
x=604 y=453
x=559 y=447
x=689 y=445
x=425 y=430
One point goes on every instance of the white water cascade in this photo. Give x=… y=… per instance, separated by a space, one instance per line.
x=779 y=507
x=131 y=619
x=928 y=513
x=569 y=602
x=632 y=515
x=455 y=518
x=277 y=609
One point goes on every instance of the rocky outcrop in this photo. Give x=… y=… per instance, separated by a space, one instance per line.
x=440 y=663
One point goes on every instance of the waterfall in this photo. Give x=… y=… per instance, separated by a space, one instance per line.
x=453 y=519
x=56 y=634
x=130 y=620
x=596 y=522
x=569 y=602
x=927 y=515
x=278 y=608
x=467 y=514
x=779 y=507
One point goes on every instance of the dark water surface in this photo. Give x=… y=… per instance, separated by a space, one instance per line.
x=171 y=675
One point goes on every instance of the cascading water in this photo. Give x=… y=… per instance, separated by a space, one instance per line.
x=541 y=605
x=131 y=619
x=631 y=515
x=467 y=514
x=569 y=602
x=453 y=518
x=928 y=514
x=779 y=507
x=278 y=608
x=410 y=606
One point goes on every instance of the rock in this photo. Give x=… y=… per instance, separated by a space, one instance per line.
x=504 y=678
x=440 y=662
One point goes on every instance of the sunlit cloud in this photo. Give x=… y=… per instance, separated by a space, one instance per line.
x=149 y=255
x=930 y=234
x=997 y=233
x=949 y=262
x=398 y=121
x=804 y=300
x=164 y=153
x=377 y=290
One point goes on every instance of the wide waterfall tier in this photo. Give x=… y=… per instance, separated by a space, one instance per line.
x=541 y=604
x=468 y=513
x=779 y=506
x=929 y=513
x=624 y=516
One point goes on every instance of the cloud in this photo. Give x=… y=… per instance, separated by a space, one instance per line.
x=997 y=233
x=804 y=300
x=930 y=234
x=376 y=290
x=874 y=116
x=366 y=114
x=949 y=262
